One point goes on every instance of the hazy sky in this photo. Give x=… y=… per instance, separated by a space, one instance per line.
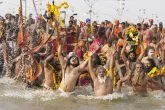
x=103 y=9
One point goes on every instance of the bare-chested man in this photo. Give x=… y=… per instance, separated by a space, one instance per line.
x=154 y=74
x=103 y=84
x=71 y=70
x=150 y=53
x=137 y=78
x=140 y=79
x=132 y=57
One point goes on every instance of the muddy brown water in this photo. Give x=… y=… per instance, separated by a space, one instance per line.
x=13 y=96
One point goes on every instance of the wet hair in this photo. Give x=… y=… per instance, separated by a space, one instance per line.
x=68 y=61
x=100 y=67
x=96 y=59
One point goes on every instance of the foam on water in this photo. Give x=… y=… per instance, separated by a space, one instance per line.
x=30 y=94
x=51 y=95
x=18 y=94
x=47 y=95
x=7 y=80
x=12 y=89
x=158 y=94
x=113 y=96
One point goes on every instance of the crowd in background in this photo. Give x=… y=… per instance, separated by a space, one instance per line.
x=105 y=55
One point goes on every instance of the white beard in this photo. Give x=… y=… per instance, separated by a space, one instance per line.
x=102 y=80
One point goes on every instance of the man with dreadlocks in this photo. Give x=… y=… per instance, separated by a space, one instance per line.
x=71 y=70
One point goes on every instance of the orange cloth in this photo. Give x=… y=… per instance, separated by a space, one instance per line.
x=138 y=50
x=22 y=38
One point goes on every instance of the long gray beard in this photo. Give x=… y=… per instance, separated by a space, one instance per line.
x=102 y=80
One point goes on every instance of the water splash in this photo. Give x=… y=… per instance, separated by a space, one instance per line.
x=7 y=80
x=30 y=94
x=158 y=94
x=12 y=89
x=113 y=96
x=18 y=94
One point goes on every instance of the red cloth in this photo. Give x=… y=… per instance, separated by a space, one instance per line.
x=96 y=45
x=79 y=53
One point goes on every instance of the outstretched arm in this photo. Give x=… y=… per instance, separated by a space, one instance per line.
x=91 y=71
x=127 y=77
x=112 y=64
x=83 y=65
x=48 y=59
x=17 y=58
x=39 y=73
x=62 y=61
x=123 y=53
x=119 y=83
x=142 y=53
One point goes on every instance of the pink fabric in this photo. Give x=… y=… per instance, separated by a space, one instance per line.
x=79 y=53
x=95 y=44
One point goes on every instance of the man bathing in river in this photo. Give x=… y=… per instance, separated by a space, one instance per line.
x=71 y=70
x=103 y=83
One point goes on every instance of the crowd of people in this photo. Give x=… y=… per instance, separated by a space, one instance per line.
x=107 y=56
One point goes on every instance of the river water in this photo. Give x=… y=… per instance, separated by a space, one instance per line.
x=13 y=96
